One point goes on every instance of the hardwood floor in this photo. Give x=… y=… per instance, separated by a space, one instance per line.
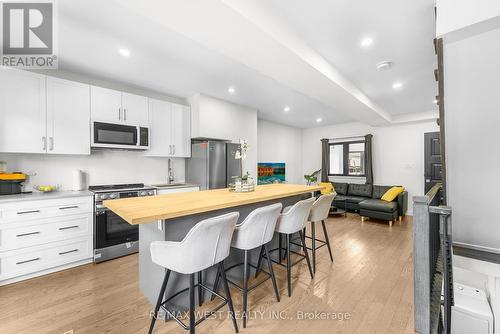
x=370 y=281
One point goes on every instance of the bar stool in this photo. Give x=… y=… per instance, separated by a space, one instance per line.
x=319 y=212
x=205 y=245
x=255 y=231
x=291 y=221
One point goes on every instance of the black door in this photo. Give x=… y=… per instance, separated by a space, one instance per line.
x=433 y=166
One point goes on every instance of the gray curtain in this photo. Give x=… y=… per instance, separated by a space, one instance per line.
x=368 y=159
x=325 y=160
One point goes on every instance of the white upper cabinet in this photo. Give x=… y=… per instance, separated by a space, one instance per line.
x=40 y=114
x=181 y=130
x=108 y=105
x=68 y=117
x=170 y=125
x=160 y=114
x=22 y=112
x=135 y=109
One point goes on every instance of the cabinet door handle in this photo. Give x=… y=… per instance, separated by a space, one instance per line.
x=124 y=114
x=26 y=234
x=174 y=149
x=32 y=260
x=70 y=251
x=67 y=227
x=44 y=143
x=27 y=212
x=51 y=141
x=119 y=114
x=68 y=207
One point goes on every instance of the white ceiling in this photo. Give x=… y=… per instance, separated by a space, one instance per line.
x=304 y=54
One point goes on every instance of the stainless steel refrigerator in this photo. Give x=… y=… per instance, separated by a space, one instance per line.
x=212 y=164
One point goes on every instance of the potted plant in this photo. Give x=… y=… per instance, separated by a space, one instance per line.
x=311 y=178
x=245 y=182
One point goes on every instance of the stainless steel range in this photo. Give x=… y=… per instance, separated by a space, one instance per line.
x=113 y=236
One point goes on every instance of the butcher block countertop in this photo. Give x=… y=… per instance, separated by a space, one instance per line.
x=140 y=210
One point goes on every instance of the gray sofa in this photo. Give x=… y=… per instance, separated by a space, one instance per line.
x=365 y=199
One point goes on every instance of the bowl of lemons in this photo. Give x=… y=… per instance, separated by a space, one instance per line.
x=46 y=188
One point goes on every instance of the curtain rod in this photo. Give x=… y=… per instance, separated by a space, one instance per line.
x=350 y=137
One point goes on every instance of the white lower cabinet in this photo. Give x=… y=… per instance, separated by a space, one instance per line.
x=35 y=232
x=39 y=258
x=42 y=236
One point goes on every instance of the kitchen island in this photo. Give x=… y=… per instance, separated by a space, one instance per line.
x=170 y=217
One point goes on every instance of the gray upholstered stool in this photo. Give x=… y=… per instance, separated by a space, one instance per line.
x=205 y=245
x=291 y=221
x=255 y=231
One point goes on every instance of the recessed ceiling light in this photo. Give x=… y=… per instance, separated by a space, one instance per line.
x=366 y=42
x=397 y=85
x=319 y=120
x=286 y=109
x=231 y=90
x=124 y=52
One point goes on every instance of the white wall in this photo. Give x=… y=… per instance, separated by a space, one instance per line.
x=218 y=119
x=462 y=18
x=281 y=143
x=398 y=152
x=472 y=81
x=102 y=167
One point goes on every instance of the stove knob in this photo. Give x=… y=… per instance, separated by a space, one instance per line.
x=143 y=193
x=103 y=196
x=113 y=196
x=151 y=192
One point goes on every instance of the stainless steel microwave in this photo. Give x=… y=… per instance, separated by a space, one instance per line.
x=119 y=136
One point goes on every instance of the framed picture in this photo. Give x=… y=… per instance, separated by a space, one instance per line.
x=271 y=172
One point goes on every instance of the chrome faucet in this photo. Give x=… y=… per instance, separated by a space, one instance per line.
x=170 y=172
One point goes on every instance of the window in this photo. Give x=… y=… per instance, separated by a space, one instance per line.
x=347 y=159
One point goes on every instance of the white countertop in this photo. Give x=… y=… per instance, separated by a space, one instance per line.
x=173 y=186
x=35 y=196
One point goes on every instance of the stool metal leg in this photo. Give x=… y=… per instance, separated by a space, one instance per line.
x=191 y=305
x=200 y=292
x=216 y=283
x=313 y=236
x=160 y=299
x=271 y=271
x=259 y=261
x=288 y=266
x=305 y=253
x=228 y=295
x=325 y=232
x=280 y=246
x=245 y=289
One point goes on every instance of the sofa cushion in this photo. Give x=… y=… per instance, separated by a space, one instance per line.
x=339 y=198
x=350 y=199
x=328 y=188
x=363 y=190
x=392 y=194
x=378 y=205
x=379 y=191
x=340 y=188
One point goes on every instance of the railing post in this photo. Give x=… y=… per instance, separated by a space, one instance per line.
x=421 y=256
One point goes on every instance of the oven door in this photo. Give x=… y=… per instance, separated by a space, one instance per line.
x=111 y=229
x=109 y=135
